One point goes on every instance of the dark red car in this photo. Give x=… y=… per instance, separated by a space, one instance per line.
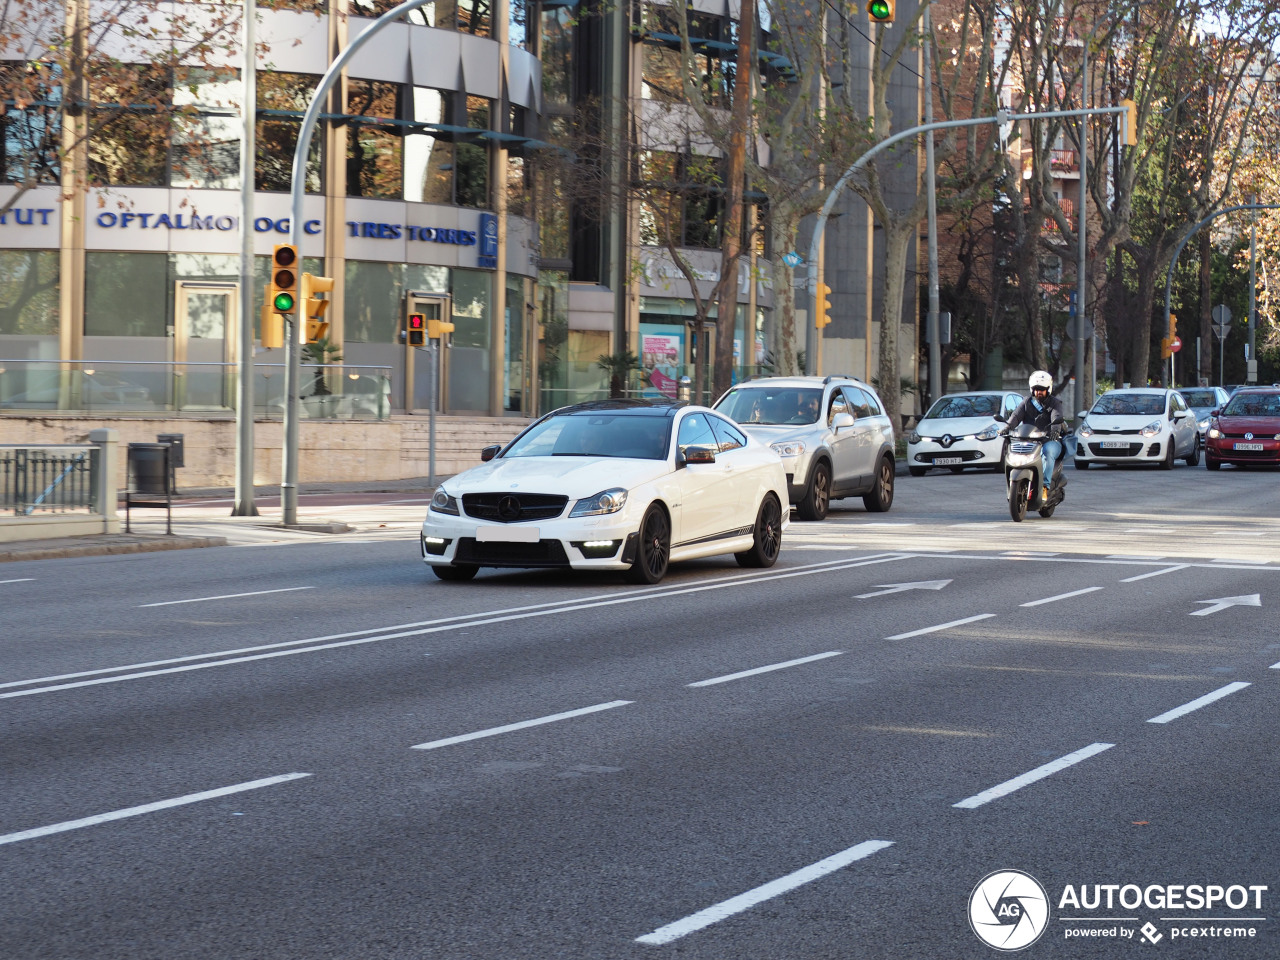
x=1246 y=430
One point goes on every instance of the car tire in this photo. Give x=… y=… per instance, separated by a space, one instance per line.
x=1211 y=464
x=817 y=499
x=766 y=536
x=1081 y=464
x=1167 y=462
x=918 y=471
x=1193 y=458
x=456 y=572
x=957 y=469
x=880 y=499
x=653 y=550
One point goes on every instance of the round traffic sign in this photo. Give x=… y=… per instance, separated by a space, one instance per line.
x=1176 y=345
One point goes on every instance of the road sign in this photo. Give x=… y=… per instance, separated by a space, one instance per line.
x=1221 y=321
x=792 y=259
x=1073 y=331
x=1176 y=345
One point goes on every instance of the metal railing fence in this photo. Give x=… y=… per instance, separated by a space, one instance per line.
x=48 y=479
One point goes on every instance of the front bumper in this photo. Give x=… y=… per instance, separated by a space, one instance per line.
x=580 y=543
x=971 y=453
x=1224 y=450
x=1136 y=449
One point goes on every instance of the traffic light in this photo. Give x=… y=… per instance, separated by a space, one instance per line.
x=437 y=328
x=282 y=288
x=822 y=315
x=271 y=323
x=880 y=11
x=313 y=308
x=1166 y=343
x=1129 y=119
x=417 y=327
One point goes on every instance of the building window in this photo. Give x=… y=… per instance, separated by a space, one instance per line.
x=29 y=136
x=663 y=61
x=29 y=293
x=556 y=53
x=473 y=158
x=682 y=199
x=465 y=16
x=126 y=294
x=130 y=125
x=206 y=129
x=428 y=160
x=375 y=157
x=282 y=102
x=518 y=14
x=469 y=343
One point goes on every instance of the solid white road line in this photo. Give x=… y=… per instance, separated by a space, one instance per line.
x=1134 y=556
x=941 y=626
x=1061 y=596
x=427 y=627
x=225 y=596
x=776 y=666
x=149 y=808
x=1031 y=776
x=523 y=724
x=19 y=580
x=1156 y=573
x=1199 y=702
x=744 y=901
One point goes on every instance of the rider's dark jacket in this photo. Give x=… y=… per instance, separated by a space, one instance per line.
x=1045 y=414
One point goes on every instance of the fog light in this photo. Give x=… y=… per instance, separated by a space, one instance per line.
x=598 y=549
x=434 y=546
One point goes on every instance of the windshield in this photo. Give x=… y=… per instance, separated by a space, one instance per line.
x=1253 y=405
x=778 y=405
x=1200 y=398
x=950 y=408
x=629 y=435
x=1129 y=405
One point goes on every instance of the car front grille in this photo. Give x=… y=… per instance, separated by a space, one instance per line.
x=544 y=553
x=513 y=508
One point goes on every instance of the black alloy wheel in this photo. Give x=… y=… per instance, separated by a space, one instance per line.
x=653 y=552
x=767 y=536
x=880 y=499
x=817 y=500
x=456 y=572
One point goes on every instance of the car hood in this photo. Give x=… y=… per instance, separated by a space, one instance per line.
x=572 y=476
x=956 y=426
x=772 y=433
x=1268 y=426
x=1116 y=422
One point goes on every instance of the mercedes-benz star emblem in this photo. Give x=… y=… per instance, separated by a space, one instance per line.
x=509 y=508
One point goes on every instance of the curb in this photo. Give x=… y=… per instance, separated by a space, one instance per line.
x=101 y=545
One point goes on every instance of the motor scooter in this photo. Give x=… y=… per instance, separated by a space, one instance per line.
x=1023 y=466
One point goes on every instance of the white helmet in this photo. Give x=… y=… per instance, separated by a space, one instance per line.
x=1041 y=378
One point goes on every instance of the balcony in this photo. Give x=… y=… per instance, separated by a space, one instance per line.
x=1064 y=161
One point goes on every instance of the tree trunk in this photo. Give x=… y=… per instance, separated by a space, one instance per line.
x=1206 y=307
x=898 y=238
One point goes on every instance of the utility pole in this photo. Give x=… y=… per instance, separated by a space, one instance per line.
x=244 y=505
x=1082 y=230
x=936 y=386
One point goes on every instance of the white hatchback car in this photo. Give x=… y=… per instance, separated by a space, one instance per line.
x=961 y=430
x=625 y=485
x=1138 y=425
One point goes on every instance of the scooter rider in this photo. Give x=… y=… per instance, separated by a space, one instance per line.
x=1044 y=411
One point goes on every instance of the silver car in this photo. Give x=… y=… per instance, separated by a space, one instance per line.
x=1203 y=401
x=832 y=433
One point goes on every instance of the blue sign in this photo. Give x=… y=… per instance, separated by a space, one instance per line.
x=792 y=259
x=488 y=253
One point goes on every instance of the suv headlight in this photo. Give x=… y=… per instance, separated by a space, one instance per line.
x=443 y=503
x=788 y=448
x=606 y=501
x=990 y=433
x=913 y=436
x=1153 y=428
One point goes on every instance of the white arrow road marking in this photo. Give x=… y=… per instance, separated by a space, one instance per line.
x=744 y=901
x=902 y=587
x=1252 y=600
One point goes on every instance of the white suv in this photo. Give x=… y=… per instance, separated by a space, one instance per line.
x=832 y=433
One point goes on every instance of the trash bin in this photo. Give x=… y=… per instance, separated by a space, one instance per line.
x=174 y=440
x=149 y=481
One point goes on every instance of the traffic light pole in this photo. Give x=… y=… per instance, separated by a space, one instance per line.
x=293 y=349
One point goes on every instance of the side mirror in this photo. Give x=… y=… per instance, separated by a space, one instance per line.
x=1001 y=417
x=696 y=455
x=1082 y=414
x=489 y=452
x=1214 y=412
x=842 y=420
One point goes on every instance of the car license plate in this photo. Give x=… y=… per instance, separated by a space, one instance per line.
x=1246 y=446
x=1114 y=444
x=947 y=461
x=507 y=534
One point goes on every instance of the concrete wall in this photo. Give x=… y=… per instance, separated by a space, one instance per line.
x=329 y=450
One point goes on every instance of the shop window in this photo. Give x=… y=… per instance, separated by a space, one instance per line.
x=375 y=158
x=29 y=293
x=284 y=96
x=29 y=136
x=126 y=294
x=469 y=358
x=372 y=301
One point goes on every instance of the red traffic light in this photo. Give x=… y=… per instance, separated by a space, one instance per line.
x=417 y=321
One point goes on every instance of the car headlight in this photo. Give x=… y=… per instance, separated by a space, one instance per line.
x=1204 y=424
x=1152 y=429
x=913 y=437
x=788 y=448
x=1215 y=433
x=1085 y=430
x=443 y=503
x=606 y=501
x=990 y=433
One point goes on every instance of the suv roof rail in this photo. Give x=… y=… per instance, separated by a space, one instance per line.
x=840 y=376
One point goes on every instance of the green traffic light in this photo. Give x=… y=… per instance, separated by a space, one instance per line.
x=283 y=302
x=879 y=9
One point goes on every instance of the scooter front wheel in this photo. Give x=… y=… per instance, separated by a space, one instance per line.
x=1018 y=501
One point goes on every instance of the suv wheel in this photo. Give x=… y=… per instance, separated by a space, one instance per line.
x=880 y=499
x=818 y=497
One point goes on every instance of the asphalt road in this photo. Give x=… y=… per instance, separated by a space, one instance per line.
x=307 y=747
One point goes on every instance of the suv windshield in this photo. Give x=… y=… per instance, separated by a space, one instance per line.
x=950 y=408
x=1129 y=405
x=1199 y=398
x=629 y=435
x=772 y=405
x=1253 y=405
